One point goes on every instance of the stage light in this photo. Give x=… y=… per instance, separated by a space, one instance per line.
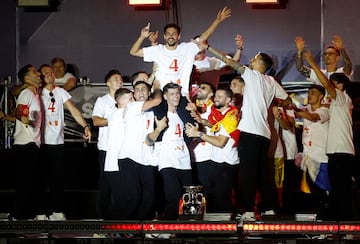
x=263 y=1
x=305 y=228
x=145 y=2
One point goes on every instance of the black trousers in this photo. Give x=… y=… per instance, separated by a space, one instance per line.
x=340 y=167
x=254 y=172
x=217 y=180
x=28 y=181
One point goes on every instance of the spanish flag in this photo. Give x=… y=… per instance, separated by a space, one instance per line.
x=229 y=120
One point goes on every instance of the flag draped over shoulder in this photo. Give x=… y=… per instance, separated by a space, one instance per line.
x=229 y=120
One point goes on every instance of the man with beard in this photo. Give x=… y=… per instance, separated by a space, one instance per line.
x=332 y=57
x=174 y=60
x=217 y=175
x=259 y=91
x=27 y=140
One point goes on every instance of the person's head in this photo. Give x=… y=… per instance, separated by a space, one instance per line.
x=331 y=55
x=29 y=75
x=138 y=76
x=113 y=80
x=222 y=99
x=205 y=92
x=172 y=94
x=59 y=67
x=171 y=34
x=237 y=85
x=340 y=81
x=47 y=74
x=141 y=91
x=123 y=97
x=315 y=94
x=262 y=62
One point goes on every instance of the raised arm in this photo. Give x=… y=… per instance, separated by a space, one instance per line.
x=338 y=43
x=321 y=76
x=160 y=126
x=220 y=17
x=232 y=63
x=135 y=48
x=239 y=43
x=300 y=44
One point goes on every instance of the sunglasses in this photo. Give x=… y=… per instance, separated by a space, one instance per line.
x=52 y=97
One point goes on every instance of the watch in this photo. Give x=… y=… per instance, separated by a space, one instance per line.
x=200 y=134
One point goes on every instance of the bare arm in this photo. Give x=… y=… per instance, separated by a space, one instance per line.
x=300 y=44
x=239 y=47
x=70 y=84
x=307 y=115
x=193 y=131
x=221 y=16
x=79 y=119
x=7 y=117
x=16 y=89
x=135 y=48
x=338 y=43
x=160 y=126
x=98 y=121
x=321 y=76
x=235 y=65
x=153 y=102
x=281 y=118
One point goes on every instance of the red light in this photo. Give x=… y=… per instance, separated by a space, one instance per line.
x=122 y=227
x=190 y=227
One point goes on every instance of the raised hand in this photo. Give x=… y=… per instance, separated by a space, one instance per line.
x=223 y=14
x=300 y=43
x=239 y=41
x=145 y=32
x=337 y=42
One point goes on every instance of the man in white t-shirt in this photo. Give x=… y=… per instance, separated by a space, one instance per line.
x=63 y=79
x=171 y=152
x=218 y=174
x=27 y=140
x=259 y=92
x=340 y=146
x=103 y=108
x=175 y=60
x=314 y=161
x=115 y=139
x=55 y=99
x=332 y=57
x=135 y=194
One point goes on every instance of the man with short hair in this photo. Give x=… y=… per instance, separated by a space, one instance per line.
x=27 y=140
x=171 y=152
x=103 y=108
x=136 y=164
x=259 y=92
x=218 y=173
x=314 y=161
x=55 y=99
x=332 y=57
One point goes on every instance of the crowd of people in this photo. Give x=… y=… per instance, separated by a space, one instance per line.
x=237 y=141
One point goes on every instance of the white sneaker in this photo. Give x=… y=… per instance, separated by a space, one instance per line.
x=269 y=212
x=248 y=216
x=41 y=217
x=57 y=216
x=158 y=235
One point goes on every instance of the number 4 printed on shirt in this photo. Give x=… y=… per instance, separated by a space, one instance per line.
x=174 y=65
